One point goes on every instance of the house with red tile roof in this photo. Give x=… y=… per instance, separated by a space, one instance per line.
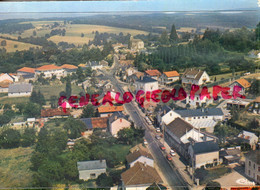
x=243 y=83
x=69 y=69
x=26 y=73
x=49 y=70
x=155 y=74
x=107 y=111
x=54 y=113
x=95 y=123
x=169 y=77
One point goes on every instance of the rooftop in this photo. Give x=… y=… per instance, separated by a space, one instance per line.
x=92 y=165
x=116 y=115
x=107 y=109
x=179 y=127
x=172 y=74
x=20 y=87
x=146 y=79
x=95 y=122
x=68 y=66
x=153 y=72
x=243 y=82
x=47 y=68
x=140 y=174
x=136 y=154
x=254 y=156
x=205 y=147
x=200 y=112
x=54 y=112
x=27 y=70
x=193 y=74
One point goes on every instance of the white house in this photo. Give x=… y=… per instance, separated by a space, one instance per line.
x=9 y=77
x=118 y=122
x=140 y=155
x=27 y=73
x=205 y=118
x=136 y=44
x=203 y=153
x=95 y=65
x=91 y=169
x=252 y=165
x=20 y=89
x=197 y=101
x=248 y=137
x=169 y=77
x=194 y=76
x=146 y=84
x=50 y=70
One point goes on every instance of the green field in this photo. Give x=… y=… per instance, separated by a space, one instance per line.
x=14 y=167
x=13 y=100
x=54 y=90
x=10 y=45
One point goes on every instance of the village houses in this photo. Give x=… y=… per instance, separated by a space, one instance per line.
x=167 y=78
x=194 y=76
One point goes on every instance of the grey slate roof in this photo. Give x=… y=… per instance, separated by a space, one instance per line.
x=204 y=147
x=254 y=156
x=200 y=112
x=19 y=88
x=179 y=127
x=146 y=79
x=87 y=122
x=115 y=116
x=92 y=165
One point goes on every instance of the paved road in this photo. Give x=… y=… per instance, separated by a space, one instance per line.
x=171 y=174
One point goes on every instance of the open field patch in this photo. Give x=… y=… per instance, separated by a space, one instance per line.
x=14 y=167
x=12 y=46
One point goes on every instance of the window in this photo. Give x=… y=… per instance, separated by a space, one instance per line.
x=249 y=172
x=92 y=176
x=120 y=120
x=249 y=163
x=203 y=117
x=170 y=114
x=198 y=117
x=254 y=166
x=206 y=116
x=259 y=168
x=258 y=178
x=194 y=118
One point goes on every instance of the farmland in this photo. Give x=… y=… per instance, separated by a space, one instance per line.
x=73 y=31
x=14 y=167
x=12 y=46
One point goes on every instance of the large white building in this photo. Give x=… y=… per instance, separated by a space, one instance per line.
x=146 y=84
x=50 y=70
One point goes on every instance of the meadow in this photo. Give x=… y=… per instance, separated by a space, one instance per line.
x=14 y=167
x=12 y=46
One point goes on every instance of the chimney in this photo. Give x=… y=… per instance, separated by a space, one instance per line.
x=144 y=164
x=115 y=117
x=164 y=111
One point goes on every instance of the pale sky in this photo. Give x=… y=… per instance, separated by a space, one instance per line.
x=128 y=6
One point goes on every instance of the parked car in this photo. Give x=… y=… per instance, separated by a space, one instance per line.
x=158 y=130
x=169 y=157
x=162 y=148
x=158 y=137
x=145 y=142
x=172 y=153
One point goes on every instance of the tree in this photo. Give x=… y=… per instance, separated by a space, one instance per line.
x=74 y=127
x=54 y=101
x=130 y=135
x=88 y=111
x=173 y=35
x=104 y=181
x=257 y=31
x=4 y=119
x=255 y=88
x=68 y=87
x=213 y=185
x=28 y=137
x=32 y=110
x=164 y=39
x=80 y=75
x=10 y=138
x=3 y=43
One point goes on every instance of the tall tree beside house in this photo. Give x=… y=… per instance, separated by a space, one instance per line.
x=254 y=88
x=68 y=87
x=54 y=101
x=173 y=35
x=28 y=138
x=88 y=111
x=80 y=75
x=74 y=127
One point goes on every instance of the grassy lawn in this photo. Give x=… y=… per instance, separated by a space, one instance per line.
x=226 y=75
x=20 y=45
x=54 y=90
x=14 y=167
x=13 y=100
x=206 y=175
